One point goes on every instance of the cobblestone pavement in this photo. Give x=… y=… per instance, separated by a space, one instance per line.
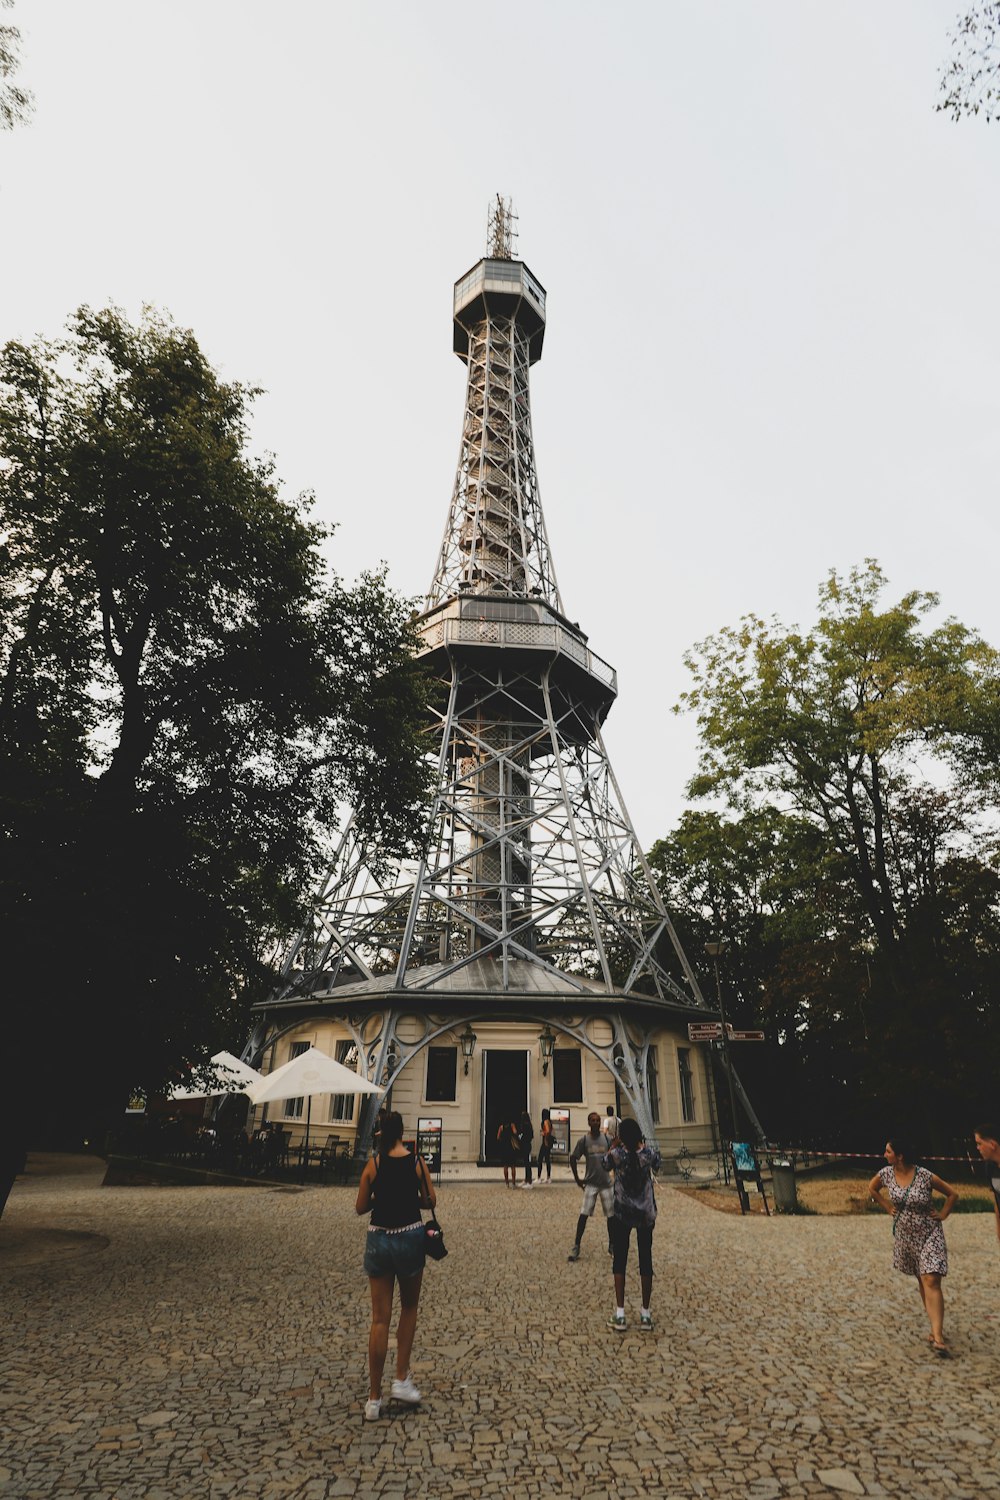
x=165 y=1343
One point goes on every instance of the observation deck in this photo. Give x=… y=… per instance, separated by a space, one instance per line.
x=499 y=288
x=520 y=636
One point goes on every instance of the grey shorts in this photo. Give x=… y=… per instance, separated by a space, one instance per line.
x=394 y=1252
x=590 y=1197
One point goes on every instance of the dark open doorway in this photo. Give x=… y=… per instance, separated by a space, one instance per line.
x=505 y=1083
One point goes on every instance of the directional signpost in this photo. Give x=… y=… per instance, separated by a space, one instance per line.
x=719 y=1031
x=704 y=1031
x=711 y=1031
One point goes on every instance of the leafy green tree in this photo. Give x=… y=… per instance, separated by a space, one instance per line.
x=841 y=727
x=15 y=103
x=187 y=698
x=827 y=721
x=970 y=82
x=768 y=884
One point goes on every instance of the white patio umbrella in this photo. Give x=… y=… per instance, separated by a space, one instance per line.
x=312 y=1072
x=233 y=1075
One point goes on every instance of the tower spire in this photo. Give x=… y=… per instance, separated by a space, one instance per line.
x=495 y=540
x=501 y=233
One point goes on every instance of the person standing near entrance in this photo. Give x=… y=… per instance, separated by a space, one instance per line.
x=596 y=1180
x=611 y=1124
x=510 y=1150
x=545 y=1149
x=988 y=1145
x=525 y=1135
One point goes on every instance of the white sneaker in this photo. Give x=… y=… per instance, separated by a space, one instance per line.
x=405 y=1390
x=373 y=1410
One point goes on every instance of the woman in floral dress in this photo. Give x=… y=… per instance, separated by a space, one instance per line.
x=906 y=1191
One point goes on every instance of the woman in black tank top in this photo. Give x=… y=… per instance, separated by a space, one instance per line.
x=395 y=1185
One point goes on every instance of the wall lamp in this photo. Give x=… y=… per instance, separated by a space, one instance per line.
x=546 y=1046
x=468 y=1039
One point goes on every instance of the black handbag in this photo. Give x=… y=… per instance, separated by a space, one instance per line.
x=434 y=1244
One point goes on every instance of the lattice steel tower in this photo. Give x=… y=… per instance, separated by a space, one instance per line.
x=533 y=896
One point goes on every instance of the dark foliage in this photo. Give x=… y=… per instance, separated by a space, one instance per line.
x=853 y=876
x=187 y=698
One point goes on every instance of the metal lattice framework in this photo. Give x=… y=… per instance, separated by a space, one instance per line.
x=495 y=540
x=532 y=895
x=531 y=860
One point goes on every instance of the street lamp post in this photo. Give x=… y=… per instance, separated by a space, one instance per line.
x=714 y=950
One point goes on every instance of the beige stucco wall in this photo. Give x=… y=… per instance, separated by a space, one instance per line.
x=462 y=1118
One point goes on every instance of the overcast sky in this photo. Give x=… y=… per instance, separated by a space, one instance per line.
x=773 y=340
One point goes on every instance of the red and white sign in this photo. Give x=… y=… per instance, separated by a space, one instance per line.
x=745 y=1036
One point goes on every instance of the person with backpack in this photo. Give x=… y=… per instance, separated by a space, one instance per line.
x=633 y=1163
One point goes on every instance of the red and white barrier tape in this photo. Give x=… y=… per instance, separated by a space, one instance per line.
x=972 y=1155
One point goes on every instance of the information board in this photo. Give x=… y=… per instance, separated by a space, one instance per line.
x=560 y=1131
x=746 y=1168
x=429 y=1142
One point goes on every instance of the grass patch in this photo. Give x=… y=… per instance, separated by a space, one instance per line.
x=848 y=1194
x=829 y=1192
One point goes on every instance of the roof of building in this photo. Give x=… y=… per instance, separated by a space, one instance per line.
x=478 y=979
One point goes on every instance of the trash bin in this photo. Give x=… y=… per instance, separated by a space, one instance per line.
x=783 y=1187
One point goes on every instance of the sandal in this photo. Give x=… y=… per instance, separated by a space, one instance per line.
x=941 y=1350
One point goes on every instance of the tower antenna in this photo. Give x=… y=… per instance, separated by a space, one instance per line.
x=501 y=234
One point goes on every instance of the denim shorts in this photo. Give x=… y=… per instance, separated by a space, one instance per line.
x=396 y=1252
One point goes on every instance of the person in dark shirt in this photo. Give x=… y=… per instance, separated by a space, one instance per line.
x=545 y=1149
x=510 y=1150
x=394 y=1187
x=525 y=1135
